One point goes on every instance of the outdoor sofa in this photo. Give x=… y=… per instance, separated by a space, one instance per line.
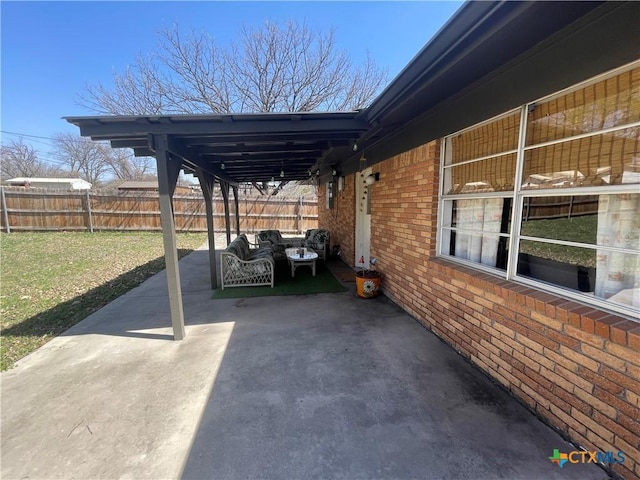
x=278 y=244
x=316 y=239
x=243 y=266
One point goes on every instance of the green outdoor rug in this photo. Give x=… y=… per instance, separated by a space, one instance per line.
x=304 y=283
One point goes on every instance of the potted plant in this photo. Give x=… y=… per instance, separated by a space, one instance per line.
x=368 y=281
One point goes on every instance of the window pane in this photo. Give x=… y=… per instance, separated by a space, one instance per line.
x=609 y=159
x=500 y=135
x=569 y=267
x=608 y=103
x=617 y=272
x=612 y=220
x=476 y=223
x=609 y=275
x=491 y=175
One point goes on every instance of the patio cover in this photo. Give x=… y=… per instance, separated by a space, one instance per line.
x=229 y=149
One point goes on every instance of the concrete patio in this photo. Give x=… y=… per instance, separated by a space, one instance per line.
x=317 y=386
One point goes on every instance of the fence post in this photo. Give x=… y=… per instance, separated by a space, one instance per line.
x=300 y=225
x=570 y=206
x=5 y=214
x=89 y=217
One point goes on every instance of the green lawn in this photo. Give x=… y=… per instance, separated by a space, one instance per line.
x=578 y=229
x=50 y=281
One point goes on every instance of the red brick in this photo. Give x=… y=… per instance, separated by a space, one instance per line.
x=622 y=353
x=616 y=428
x=529 y=401
x=602 y=357
x=624 y=472
x=544 y=341
x=600 y=381
x=548 y=321
x=572 y=400
x=603 y=326
x=574 y=317
x=561 y=313
x=619 y=331
x=568 y=419
x=621 y=379
x=631 y=424
x=551 y=308
x=596 y=403
x=574 y=379
x=579 y=358
x=594 y=426
x=539 y=379
x=631 y=451
x=538 y=359
x=535 y=395
x=589 y=338
x=617 y=403
x=633 y=339
x=537 y=300
x=587 y=324
x=563 y=339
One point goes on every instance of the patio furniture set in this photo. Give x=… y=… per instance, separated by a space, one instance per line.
x=245 y=264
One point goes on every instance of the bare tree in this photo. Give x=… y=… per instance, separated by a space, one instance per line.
x=97 y=162
x=82 y=156
x=125 y=166
x=18 y=159
x=277 y=68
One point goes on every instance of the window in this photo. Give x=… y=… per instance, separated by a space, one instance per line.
x=548 y=194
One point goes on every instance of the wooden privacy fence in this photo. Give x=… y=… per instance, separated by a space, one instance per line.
x=537 y=208
x=31 y=210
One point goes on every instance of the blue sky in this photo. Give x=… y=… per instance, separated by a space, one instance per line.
x=52 y=50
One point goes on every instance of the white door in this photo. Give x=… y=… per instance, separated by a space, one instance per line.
x=363 y=219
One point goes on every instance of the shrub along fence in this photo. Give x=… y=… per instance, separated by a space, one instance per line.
x=33 y=210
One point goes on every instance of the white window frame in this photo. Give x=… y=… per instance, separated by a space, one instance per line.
x=519 y=195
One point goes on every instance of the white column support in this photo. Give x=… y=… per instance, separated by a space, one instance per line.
x=207 y=181
x=168 y=171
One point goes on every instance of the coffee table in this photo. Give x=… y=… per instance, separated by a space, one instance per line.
x=295 y=260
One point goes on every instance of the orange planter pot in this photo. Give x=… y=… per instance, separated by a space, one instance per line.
x=368 y=283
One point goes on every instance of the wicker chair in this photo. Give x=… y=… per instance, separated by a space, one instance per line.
x=317 y=239
x=241 y=266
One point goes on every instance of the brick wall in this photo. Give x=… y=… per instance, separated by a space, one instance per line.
x=575 y=366
x=341 y=220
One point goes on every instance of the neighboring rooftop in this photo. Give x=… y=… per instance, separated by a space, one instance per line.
x=46 y=182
